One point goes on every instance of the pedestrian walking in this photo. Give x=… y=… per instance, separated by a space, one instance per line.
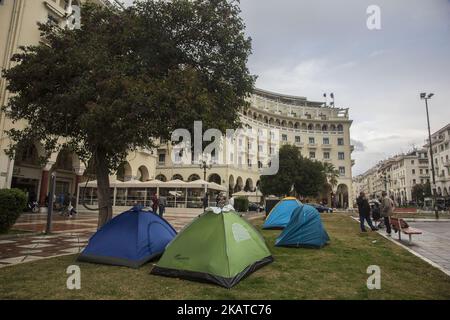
x=364 y=212
x=387 y=210
x=162 y=205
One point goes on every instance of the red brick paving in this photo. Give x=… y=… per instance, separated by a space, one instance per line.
x=69 y=236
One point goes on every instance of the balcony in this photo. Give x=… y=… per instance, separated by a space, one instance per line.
x=326 y=146
x=312 y=145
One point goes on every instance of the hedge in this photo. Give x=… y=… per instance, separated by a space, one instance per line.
x=12 y=204
x=241 y=204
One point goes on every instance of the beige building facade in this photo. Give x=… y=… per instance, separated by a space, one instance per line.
x=441 y=157
x=396 y=175
x=321 y=133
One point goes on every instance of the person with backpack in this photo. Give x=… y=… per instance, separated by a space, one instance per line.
x=387 y=210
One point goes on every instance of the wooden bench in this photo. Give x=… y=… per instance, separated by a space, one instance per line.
x=399 y=225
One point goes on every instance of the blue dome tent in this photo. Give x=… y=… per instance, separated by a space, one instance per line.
x=130 y=239
x=305 y=229
x=280 y=215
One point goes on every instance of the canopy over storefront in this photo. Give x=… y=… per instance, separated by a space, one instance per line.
x=178 y=193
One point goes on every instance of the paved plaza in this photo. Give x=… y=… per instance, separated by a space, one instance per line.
x=434 y=243
x=69 y=236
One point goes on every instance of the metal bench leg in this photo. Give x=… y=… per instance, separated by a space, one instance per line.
x=410 y=238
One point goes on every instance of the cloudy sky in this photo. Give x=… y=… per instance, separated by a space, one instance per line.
x=308 y=47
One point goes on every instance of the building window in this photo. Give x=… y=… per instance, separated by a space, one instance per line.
x=312 y=140
x=271 y=151
x=340 y=141
x=413 y=171
x=312 y=155
x=412 y=161
x=284 y=137
x=342 y=171
x=326 y=155
x=297 y=139
x=341 y=155
x=162 y=158
x=260 y=148
x=326 y=140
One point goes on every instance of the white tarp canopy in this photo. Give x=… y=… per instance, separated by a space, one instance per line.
x=158 y=184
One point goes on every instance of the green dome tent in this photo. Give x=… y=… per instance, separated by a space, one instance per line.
x=218 y=246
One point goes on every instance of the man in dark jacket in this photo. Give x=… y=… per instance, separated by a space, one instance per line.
x=364 y=212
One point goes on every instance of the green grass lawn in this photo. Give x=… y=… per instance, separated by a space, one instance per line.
x=337 y=271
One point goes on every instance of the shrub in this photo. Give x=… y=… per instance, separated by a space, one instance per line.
x=12 y=203
x=241 y=204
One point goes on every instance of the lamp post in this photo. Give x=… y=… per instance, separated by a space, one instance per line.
x=425 y=97
x=205 y=166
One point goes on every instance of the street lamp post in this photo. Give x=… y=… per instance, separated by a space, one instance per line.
x=205 y=166
x=425 y=97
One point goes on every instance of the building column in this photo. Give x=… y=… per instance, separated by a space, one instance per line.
x=44 y=184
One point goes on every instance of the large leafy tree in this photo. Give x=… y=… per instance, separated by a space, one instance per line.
x=126 y=78
x=420 y=191
x=296 y=173
x=282 y=182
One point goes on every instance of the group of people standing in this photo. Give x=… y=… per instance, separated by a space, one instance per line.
x=384 y=210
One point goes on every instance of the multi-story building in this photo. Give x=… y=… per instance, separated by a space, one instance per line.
x=18 y=27
x=321 y=133
x=396 y=175
x=441 y=158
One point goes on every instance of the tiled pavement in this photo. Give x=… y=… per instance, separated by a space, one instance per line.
x=69 y=236
x=433 y=243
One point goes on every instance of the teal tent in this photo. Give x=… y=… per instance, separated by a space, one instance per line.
x=280 y=215
x=305 y=229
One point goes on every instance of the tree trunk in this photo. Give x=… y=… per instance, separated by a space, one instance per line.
x=103 y=189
